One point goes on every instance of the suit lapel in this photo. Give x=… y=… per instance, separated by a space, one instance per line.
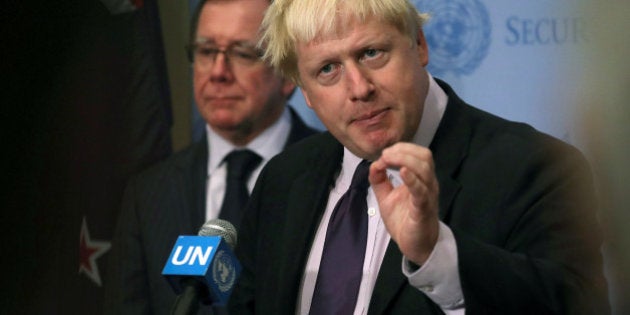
x=449 y=148
x=390 y=280
x=193 y=188
x=307 y=200
x=299 y=129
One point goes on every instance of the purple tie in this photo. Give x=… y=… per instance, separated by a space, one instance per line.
x=240 y=164
x=341 y=267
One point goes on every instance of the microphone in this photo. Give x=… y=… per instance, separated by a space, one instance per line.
x=203 y=268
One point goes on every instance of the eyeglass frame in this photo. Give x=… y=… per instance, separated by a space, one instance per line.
x=228 y=53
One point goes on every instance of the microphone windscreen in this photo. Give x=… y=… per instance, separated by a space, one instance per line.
x=222 y=228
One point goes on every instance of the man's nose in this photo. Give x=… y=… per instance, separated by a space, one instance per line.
x=221 y=69
x=359 y=83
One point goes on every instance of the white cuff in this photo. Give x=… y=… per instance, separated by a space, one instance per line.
x=438 y=278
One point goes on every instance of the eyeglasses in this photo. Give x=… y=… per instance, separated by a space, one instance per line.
x=203 y=55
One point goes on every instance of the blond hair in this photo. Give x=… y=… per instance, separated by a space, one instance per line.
x=288 y=22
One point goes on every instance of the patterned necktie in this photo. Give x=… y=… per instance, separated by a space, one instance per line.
x=341 y=267
x=240 y=164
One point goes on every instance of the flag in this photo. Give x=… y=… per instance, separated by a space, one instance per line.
x=91 y=107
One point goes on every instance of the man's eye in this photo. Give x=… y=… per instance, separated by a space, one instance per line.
x=328 y=74
x=206 y=51
x=371 y=53
x=326 y=69
x=245 y=54
x=374 y=58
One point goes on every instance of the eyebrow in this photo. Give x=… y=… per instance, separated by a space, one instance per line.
x=381 y=41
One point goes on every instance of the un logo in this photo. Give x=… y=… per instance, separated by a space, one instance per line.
x=458 y=35
x=223 y=271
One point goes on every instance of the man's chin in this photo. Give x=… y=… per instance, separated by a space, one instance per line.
x=370 y=150
x=226 y=125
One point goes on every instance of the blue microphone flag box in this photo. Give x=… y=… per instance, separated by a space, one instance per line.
x=209 y=260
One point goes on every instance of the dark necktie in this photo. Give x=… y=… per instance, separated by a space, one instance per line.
x=240 y=164
x=341 y=267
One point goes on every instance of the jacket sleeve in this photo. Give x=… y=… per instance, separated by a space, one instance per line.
x=126 y=287
x=546 y=257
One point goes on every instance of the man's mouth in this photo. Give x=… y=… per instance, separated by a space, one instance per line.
x=223 y=100
x=371 y=117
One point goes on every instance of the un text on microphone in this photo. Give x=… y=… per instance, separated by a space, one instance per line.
x=207 y=259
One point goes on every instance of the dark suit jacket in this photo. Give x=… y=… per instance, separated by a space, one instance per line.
x=520 y=204
x=160 y=204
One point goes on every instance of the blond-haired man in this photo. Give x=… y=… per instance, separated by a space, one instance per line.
x=466 y=212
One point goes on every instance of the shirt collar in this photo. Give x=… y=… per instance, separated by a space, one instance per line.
x=434 y=107
x=269 y=143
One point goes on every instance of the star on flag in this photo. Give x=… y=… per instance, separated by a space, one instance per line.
x=89 y=251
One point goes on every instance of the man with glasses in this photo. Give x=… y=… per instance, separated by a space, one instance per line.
x=243 y=102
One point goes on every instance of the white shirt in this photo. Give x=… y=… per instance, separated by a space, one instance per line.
x=266 y=145
x=438 y=278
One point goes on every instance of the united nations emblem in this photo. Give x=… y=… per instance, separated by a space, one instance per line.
x=458 y=35
x=223 y=271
